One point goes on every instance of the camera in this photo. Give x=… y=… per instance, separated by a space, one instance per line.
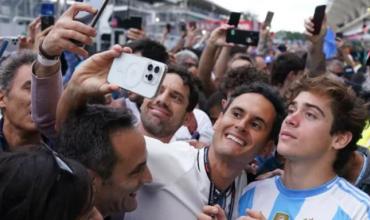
x=151 y=76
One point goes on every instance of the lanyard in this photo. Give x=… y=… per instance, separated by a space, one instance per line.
x=214 y=194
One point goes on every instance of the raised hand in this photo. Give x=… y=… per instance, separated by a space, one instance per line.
x=65 y=29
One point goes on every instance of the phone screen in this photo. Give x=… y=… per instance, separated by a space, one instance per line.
x=88 y=18
x=234 y=19
x=318 y=18
x=268 y=18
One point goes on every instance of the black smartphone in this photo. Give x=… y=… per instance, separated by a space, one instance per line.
x=47 y=15
x=268 y=18
x=88 y=18
x=132 y=22
x=136 y=22
x=318 y=18
x=234 y=19
x=237 y=36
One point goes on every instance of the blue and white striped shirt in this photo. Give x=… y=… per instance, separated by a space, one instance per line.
x=336 y=199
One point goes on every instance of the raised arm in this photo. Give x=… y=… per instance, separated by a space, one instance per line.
x=207 y=60
x=90 y=79
x=47 y=79
x=262 y=47
x=315 y=57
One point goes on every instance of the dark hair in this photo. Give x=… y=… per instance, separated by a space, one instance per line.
x=242 y=75
x=150 y=49
x=33 y=187
x=270 y=94
x=241 y=56
x=86 y=136
x=11 y=65
x=285 y=63
x=349 y=111
x=189 y=81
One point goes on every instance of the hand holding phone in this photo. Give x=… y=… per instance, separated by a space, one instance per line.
x=137 y=74
x=318 y=18
x=88 y=18
x=58 y=38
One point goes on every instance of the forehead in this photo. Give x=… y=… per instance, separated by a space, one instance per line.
x=174 y=82
x=22 y=75
x=317 y=99
x=314 y=98
x=129 y=147
x=255 y=104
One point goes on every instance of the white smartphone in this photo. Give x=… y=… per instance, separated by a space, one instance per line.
x=8 y=45
x=137 y=74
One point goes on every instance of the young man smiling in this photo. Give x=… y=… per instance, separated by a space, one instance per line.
x=325 y=119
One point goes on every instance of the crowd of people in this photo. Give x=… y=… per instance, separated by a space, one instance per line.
x=234 y=132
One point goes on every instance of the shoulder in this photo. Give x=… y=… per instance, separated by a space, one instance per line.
x=251 y=187
x=349 y=195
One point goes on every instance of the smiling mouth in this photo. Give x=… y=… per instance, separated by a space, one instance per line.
x=235 y=139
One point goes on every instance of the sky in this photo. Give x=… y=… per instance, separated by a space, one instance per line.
x=288 y=14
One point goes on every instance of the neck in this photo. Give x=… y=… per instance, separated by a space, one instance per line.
x=17 y=137
x=223 y=171
x=166 y=139
x=354 y=166
x=304 y=175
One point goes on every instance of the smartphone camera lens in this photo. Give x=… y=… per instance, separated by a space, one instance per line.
x=149 y=77
x=150 y=67
x=156 y=69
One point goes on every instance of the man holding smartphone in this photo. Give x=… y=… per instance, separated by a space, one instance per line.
x=116 y=192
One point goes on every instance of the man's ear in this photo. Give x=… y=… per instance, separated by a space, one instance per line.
x=2 y=99
x=217 y=122
x=341 y=140
x=96 y=180
x=187 y=118
x=224 y=103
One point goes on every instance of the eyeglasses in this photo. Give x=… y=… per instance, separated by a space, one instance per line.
x=61 y=164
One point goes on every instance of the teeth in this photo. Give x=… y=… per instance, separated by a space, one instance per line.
x=237 y=140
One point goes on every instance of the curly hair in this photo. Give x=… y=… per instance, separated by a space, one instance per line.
x=349 y=111
x=243 y=75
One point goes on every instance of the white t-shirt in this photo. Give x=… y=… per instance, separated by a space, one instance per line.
x=180 y=186
x=334 y=200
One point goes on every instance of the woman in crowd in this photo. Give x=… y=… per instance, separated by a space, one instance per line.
x=39 y=184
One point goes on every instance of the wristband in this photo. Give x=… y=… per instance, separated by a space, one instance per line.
x=46 y=55
x=46 y=62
